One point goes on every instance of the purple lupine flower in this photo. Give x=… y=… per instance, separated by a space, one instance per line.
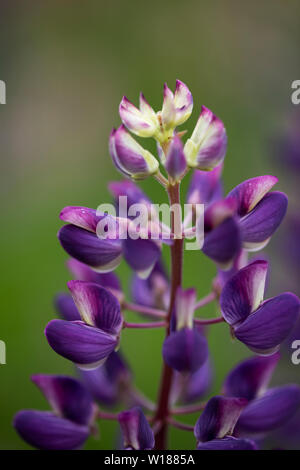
x=222 y=241
x=142 y=122
x=90 y=341
x=68 y=425
x=262 y=326
x=109 y=382
x=80 y=240
x=267 y=409
x=153 y=291
x=260 y=212
x=129 y=157
x=185 y=349
x=205 y=186
x=207 y=146
x=177 y=107
x=188 y=388
x=215 y=426
x=137 y=434
x=175 y=160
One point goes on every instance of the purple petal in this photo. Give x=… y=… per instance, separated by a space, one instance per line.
x=175 y=159
x=228 y=443
x=251 y=377
x=270 y=411
x=130 y=157
x=66 y=308
x=67 y=396
x=219 y=211
x=239 y=262
x=260 y=224
x=183 y=101
x=137 y=434
x=129 y=189
x=219 y=418
x=207 y=146
x=185 y=350
x=244 y=292
x=223 y=243
x=89 y=249
x=46 y=431
x=82 y=217
x=153 y=291
x=87 y=346
x=83 y=273
x=141 y=255
x=141 y=123
x=205 y=186
x=185 y=307
x=97 y=306
x=189 y=388
x=250 y=192
x=107 y=382
x=265 y=329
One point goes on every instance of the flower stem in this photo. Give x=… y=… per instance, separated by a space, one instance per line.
x=162 y=411
x=182 y=410
x=179 y=425
x=206 y=300
x=208 y=321
x=154 y=324
x=153 y=312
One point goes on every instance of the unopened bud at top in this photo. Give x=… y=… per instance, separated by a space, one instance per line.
x=177 y=107
x=129 y=157
x=175 y=159
x=207 y=146
x=143 y=121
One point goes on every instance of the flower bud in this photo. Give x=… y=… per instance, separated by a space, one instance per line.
x=177 y=107
x=175 y=160
x=142 y=122
x=207 y=146
x=129 y=157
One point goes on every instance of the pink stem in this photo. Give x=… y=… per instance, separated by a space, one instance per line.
x=206 y=300
x=105 y=415
x=208 y=321
x=179 y=425
x=182 y=410
x=155 y=324
x=153 y=312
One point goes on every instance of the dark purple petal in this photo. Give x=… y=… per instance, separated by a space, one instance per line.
x=46 y=431
x=250 y=192
x=219 y=211
x=83 y=273
x=260 y=224
x=228 y=443
x=185 y=350
x=219 y=418
x=67 y=396
x=175 y=159
x=97 y=306
x=251 y=377
x=153 y=291
x=100 y=254
x=266 y=328
x=239 y=262
x=107 y=382
x=223 y=243
x=85 y=345
x=129 y=189
x=270 y=411
x=66 y=308
x=137 y=434
x=205 y=186
x=141 y=255
x=194 y=386
x=244 y=292
x=82 y=217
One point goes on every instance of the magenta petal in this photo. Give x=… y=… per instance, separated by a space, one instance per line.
x=44 y=430
x=137 y=434
x=141 y=254
x=265 y=329
x=97 y=306
x=218 y=418
x=228 y=443
x=66 y=307
x=67 y=396
x=223 y=243
x=250 y=377
x=129 y=189
x=175 y=159
x=250 y=192
x=244 y=292
x=185 y=350
x=87 y=346
x=82 y=217
x=270 y=411
x=88 y=248
x=260 y=224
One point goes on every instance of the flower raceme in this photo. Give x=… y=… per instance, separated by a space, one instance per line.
x=95 y=311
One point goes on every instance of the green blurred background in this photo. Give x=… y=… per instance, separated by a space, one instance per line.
x=66 y=65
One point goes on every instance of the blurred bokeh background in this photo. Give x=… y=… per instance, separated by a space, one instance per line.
x=66 y=65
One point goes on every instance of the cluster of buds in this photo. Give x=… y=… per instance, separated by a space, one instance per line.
x=94 y=312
